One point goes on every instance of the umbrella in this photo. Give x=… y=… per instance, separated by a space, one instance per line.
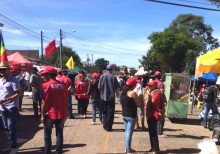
x=16 y=60
x=210 y=61
x=209 y=77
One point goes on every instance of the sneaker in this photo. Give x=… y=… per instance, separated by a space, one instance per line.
x=92 y=123
x=6 y=149
x=13 y=151
x=132 y=151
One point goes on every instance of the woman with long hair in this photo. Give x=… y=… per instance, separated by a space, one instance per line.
x=129 y=102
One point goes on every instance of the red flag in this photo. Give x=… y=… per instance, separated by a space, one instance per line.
x=50 y=48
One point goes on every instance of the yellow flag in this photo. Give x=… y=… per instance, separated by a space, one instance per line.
x=70 y=63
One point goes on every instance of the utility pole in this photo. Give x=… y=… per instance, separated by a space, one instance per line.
x=92 y=59
x=61 y=61
x=42 y=52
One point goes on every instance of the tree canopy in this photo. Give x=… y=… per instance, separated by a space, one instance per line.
x=216 y=2
x=67 y=52
x=176 y=48
x=101 y=63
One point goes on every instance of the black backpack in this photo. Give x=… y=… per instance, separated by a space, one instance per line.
x=208 y=95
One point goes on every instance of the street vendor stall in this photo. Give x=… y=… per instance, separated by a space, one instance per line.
x=16 y=60
x=177 y=93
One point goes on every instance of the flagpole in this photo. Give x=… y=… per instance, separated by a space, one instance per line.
x=42 y=52
x=61 y=62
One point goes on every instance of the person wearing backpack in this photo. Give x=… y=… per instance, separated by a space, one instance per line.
x=209 y=95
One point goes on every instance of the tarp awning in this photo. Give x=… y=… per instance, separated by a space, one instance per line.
x=210 y=62
x=16 y=60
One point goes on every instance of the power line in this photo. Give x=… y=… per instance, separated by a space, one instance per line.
x=196 y=2
x=183 y=5
x=22 y=28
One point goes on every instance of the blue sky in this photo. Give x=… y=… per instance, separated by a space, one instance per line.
x=116 y=30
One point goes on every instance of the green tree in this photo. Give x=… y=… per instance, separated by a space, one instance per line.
x=215 y=2
x=67 y=52
x=176 y=48
x=101 y=63
x=132 y=71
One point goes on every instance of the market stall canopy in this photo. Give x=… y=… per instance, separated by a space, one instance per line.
x=141 y=71
x=16 y=60
x=210 y=62
x=209 y=77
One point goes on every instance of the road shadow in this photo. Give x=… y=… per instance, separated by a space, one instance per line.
x=187 y=136
x=38 y=150
x=171 y=130
x=185 y=121
x=27 y=127
x=180 y=151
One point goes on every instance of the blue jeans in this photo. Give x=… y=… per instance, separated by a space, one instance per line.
x=9 y=118
x=48 y=125
x=207 y=107
x=129 y=123
x=69 y=106
x=96 y=105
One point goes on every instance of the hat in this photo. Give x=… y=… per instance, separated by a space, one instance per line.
x=109 y=67
x=152 y=83
x=157 y=73
x=131 y=82
x=44 y=72
x=51 y=69
x=95 y=75
x=4 y=65
x=80 y=75
x=59 y=70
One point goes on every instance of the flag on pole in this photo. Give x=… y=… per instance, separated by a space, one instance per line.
x=3 y=54
x=50 y=48
x=70 y=63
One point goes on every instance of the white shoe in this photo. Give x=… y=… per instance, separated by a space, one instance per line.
x=92 y=123
x=6 y=149
x=13 y=151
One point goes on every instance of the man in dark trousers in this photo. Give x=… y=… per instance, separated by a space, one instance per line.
x=108 y=86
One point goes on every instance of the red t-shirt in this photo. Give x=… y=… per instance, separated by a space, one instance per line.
x=67 y=80
x=56 y=98
x=81 y=89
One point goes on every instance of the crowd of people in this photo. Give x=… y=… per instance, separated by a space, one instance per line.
x=52 y=92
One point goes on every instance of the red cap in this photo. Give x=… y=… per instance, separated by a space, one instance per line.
x=44 y=72
x=51 y=69
x=157 y=73
x=152 y=83
x=131 y=82
x=80 y=75
x=95 y=75
x=59 y=70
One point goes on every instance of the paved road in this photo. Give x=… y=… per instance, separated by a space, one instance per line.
x=82 y=138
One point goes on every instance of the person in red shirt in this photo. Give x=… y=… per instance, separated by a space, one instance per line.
x=53 y=109
x=154 y=111
x=63 y=77
x=81 y=91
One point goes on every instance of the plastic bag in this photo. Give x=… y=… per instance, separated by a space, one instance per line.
x=208 y=147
